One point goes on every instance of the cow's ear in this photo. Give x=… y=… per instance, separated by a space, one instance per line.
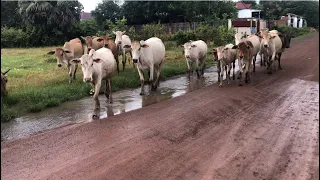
x=91 y=52
x=144 y=46
x=272 y=37
x=97 y=60
x=75 y=61
x=82 y=38
x=51 y=52
x=100 y=39
x=127 y=46
x=214 y=50
x=123 y=32
x=114 y=33
x=193 y=45
x=235 y=47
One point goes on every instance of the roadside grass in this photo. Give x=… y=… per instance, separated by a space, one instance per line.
x=35 y=83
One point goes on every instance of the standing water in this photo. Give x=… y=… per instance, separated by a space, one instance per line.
x=80 y=111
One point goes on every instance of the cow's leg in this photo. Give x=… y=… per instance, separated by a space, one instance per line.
x=197 y=68
x=219 y=70
x=254 y=63
x=106 y=91
x=131 y=59
x=233 y=69
x=188 y=66
x=269 y=65
x=96 y=99
x=123 y=59
x=141 y=81
x=75 y=71
x=240 y=73
x=110 y=89
x=279 y=65
x=158 y=70
x=261 y=58
x=221 y=75
x=229 y=70
x=151 y=77
x=247 y=72
x=116 y=57
x=70 y=72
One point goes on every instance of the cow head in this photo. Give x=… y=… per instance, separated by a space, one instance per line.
x=62 y=55
x=93 y=42
x=189 y=49
x=244 y=50
x=267 y=40
x=219 y=53
x=4 y=81
x=87 y=64
x=118 y=34
x=136 y=48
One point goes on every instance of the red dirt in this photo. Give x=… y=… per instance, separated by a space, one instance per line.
x=268 y=129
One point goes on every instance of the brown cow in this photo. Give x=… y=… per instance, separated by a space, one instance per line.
x=245 y=54
x=99 y=42
x=4 y=81
x=70 y=50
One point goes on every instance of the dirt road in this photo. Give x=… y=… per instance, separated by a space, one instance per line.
x=268 y=129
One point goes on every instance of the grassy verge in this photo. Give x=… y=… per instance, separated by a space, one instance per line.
x=35 y=83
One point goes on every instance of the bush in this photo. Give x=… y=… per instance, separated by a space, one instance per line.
x=205 y=33
x=86 y=28
x=133 y=34
x=151 y=30
x=182 y=37
x=223 y=35
x=11 y=37
x=291 y=30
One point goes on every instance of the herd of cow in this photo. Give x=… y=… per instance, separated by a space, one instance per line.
x=102 y=53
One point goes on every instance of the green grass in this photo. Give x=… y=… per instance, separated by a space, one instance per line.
x=35 y=83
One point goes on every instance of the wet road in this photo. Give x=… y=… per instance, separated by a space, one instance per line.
x=268 y=129
x=80 y=111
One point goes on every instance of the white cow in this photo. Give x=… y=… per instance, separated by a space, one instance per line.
x=226 y=57
x=271 y=45
x=148 y=55
x=122 y=41
x=254 y=39
x=195 y=51
x=97 y=66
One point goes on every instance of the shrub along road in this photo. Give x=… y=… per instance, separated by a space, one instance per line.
x=268 y=129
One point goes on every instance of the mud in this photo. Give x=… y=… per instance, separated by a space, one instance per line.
x=123 y=101
x=268 y=129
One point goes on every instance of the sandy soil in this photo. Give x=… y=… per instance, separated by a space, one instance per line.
x=268 y=129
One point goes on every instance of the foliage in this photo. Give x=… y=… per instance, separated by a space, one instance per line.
x=11 y=37
x=223 y=36
x=106 y=10
x=86 y=28
x=291 y=30
x=151 y=30
x=9 y=14
x=307 y=9
x=182 y=37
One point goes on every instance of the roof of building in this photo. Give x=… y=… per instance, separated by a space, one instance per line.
x=85 y=16
x=242 y=5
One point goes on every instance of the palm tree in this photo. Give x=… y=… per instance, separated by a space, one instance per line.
x=60 y=14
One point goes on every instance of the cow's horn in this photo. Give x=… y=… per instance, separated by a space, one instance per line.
x=6 y=71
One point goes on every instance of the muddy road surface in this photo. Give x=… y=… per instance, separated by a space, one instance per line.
x=268 y=129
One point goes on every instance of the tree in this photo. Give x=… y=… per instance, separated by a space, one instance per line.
x=107 y=10
x=60 y=14
x=9 y=14
x=252 y=2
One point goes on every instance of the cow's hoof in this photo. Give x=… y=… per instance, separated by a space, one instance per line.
x=141 y=93
x=220 y=85
x=233 y=78
x=269 y=72
x=240 y=84
x=280 y=68
x=95 y=116
x=153 y=88
x=238 y=77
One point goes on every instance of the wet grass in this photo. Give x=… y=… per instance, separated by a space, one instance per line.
x=35 y=83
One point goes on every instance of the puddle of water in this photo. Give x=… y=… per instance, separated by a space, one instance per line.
x=80 y=111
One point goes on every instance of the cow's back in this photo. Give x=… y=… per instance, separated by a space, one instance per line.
x=158 y=49
x=113 y=47
x=255 y=40
x=76 y=47
x=203 y=48
x=108 y=61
